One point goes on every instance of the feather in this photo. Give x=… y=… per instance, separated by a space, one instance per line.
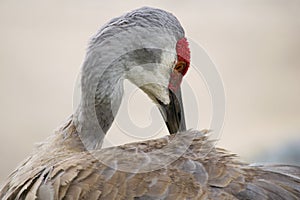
x=186 y=165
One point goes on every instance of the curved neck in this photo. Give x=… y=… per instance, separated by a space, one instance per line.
x=101 y=95
x=108 y=61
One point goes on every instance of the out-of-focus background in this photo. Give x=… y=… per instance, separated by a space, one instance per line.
x=255 y=45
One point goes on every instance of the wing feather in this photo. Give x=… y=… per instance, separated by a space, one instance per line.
x=201 y=172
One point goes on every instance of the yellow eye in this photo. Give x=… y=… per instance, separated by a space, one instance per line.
x=180 y=67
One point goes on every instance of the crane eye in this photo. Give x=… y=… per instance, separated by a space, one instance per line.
x=180 y=67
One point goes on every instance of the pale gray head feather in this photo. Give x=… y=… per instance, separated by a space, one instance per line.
x=134 y=39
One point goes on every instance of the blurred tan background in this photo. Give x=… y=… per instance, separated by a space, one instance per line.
x=255 y=45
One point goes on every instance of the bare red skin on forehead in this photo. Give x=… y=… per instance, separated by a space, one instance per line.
x=183 y=55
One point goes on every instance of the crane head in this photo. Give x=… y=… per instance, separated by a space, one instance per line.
x=162 y=83
x=173 y=113
x=146 y=46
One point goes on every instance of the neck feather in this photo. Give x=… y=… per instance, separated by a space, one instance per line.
x=101 y=95
x=110 y=58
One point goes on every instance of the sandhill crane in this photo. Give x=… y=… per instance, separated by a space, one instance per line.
x=71 y=164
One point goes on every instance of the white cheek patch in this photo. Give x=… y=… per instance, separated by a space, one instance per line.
x=154 y=78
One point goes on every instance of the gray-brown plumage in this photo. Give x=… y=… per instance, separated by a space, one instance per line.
x=71 y=165
x=61 y=169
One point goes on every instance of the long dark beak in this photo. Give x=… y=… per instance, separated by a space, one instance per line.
x=173 y=113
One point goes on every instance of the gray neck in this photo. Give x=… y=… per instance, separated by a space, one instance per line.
x=133 y=39
x=101 y=94
x=108 y=96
